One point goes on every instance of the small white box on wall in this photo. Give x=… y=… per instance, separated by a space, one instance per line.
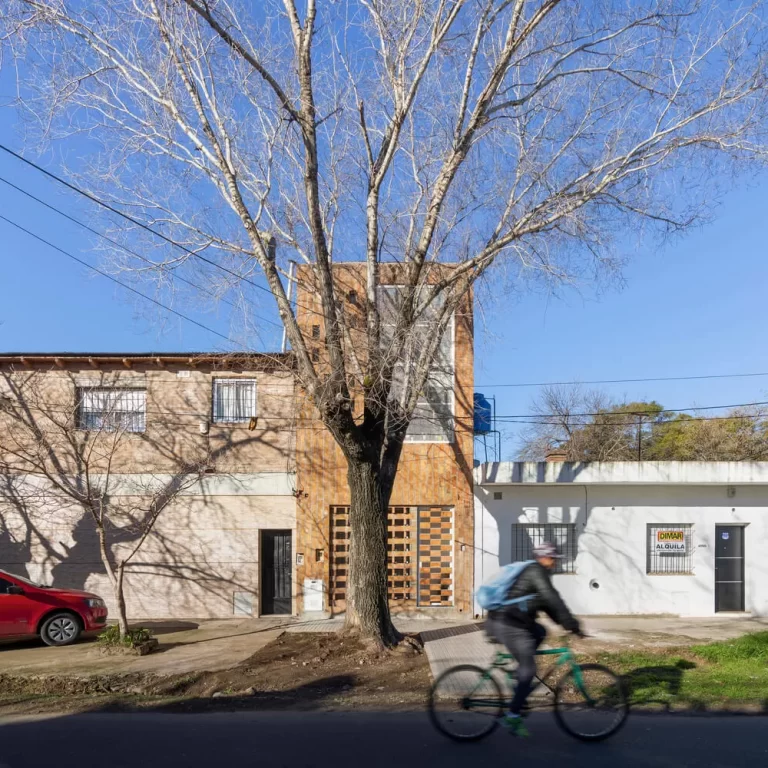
x=314 y=590
x=243 y=604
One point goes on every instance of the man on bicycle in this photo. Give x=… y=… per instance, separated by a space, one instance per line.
x=515 y=625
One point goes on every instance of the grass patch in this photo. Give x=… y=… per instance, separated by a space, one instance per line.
x=731 y=674
x=110 y=637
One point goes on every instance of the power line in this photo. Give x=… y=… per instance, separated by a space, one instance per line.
x=142 y=225
x=622 y=381
x=641 y=412
x=119 y=282
x=96 y=232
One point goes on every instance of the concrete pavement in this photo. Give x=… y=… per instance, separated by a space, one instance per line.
x=467 y=644
x=302 y=740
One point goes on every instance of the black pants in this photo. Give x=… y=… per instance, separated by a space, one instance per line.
x=522 y=644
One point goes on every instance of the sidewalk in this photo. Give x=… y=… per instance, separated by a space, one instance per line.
x=467 y=644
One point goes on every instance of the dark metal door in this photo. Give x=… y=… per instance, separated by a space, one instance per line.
x=729 y=568
x=276 y=572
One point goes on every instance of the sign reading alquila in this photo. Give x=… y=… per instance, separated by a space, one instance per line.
x=670 y=541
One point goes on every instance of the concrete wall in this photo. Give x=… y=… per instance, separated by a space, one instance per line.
x=611 y=527
x=204 y=548
x=206 y=545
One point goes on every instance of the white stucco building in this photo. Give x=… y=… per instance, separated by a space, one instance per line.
x=680 y=538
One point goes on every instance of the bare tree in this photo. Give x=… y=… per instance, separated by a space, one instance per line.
x=426 y=133
x=58 y=452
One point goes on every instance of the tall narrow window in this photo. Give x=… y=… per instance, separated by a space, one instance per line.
x=433 y=419
x=111 y=409
x=234 y=400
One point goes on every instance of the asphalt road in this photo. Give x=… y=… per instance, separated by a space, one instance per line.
x=365 y=740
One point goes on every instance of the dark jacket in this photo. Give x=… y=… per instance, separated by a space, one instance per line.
x=535 y=581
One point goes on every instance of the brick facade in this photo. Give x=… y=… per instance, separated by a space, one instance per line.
x=434 y=479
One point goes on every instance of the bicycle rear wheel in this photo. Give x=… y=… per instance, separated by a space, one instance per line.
x=591 y=703
x=465 y=703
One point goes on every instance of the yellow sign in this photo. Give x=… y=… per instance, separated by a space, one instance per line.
x=670 y=536
x=670 y=542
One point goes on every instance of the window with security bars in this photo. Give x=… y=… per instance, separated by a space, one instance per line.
x=234 y=400
x=563 y=535
x=111 y=409
x=433 y=418
x=670 y=549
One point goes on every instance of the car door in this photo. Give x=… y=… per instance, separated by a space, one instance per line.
x=15 y=610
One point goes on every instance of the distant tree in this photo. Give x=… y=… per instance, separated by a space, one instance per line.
x=587 y=426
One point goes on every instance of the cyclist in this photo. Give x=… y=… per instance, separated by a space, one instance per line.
x=515 y=626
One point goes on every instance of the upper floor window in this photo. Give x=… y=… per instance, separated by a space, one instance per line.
x=234 y=400
x=433 y=419
x=112 y=409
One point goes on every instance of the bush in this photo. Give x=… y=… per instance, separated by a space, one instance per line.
x=110 y=637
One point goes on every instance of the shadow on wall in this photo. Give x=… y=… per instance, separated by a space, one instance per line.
x=40 y=535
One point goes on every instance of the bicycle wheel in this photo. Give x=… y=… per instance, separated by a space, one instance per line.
x=591 y=703
x=465 y=703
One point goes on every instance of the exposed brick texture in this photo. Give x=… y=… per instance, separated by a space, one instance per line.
x=434 y=475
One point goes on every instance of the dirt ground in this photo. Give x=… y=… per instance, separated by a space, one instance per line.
x=299 y=671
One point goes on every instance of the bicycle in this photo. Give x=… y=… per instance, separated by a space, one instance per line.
x=590 y=701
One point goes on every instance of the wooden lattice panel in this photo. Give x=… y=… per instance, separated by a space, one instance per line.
x=435 y=556
x=401 y=545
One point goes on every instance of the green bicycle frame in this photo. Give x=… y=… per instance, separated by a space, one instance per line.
x=501 y=660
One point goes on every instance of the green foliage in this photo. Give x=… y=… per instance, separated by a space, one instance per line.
x=110 y=637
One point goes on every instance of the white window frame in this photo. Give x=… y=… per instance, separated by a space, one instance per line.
x=138 y=397
x=434 y=438
x=451 y=437
x=230 y=380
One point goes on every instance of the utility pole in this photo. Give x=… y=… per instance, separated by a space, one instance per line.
x=639 y=437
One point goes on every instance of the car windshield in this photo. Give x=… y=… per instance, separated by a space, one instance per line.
x=23 y=579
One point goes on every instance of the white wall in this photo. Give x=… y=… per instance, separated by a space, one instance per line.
x=611 y=528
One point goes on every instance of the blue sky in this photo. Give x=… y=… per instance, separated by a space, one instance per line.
x=693 y=307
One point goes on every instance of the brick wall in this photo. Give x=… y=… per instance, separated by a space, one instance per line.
x=429 y=475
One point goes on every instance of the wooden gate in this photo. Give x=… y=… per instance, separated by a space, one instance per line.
x=432 y=560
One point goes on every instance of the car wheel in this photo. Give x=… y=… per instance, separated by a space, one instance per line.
x=60 y=629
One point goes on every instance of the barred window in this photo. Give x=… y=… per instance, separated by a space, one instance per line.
x=111 y=409
x=234 y=400
x=563 y=536
x=670 y=549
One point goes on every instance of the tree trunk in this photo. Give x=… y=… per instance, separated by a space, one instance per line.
x=367 y=598
x=122 y=618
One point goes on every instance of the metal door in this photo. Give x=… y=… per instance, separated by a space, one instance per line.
x=276 y=572
x=729 y=568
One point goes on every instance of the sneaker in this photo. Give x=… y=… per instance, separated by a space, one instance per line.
x=516 y=726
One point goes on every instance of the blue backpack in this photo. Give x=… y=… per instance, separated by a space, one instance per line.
x=493 y=595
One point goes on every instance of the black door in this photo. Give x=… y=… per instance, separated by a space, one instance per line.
x=729 y=568
x=276 y=572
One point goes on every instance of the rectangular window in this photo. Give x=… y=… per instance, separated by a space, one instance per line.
x=433 y=418
x=111 y=409
x=562 y=535
x=234 y=400
x=670 y=549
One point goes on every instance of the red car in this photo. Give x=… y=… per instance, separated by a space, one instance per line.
x=58 y=616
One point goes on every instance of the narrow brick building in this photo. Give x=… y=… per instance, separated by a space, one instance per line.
x=431 y=513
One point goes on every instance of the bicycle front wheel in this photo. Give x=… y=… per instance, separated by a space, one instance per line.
x=465 y=703
x=591 y=703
